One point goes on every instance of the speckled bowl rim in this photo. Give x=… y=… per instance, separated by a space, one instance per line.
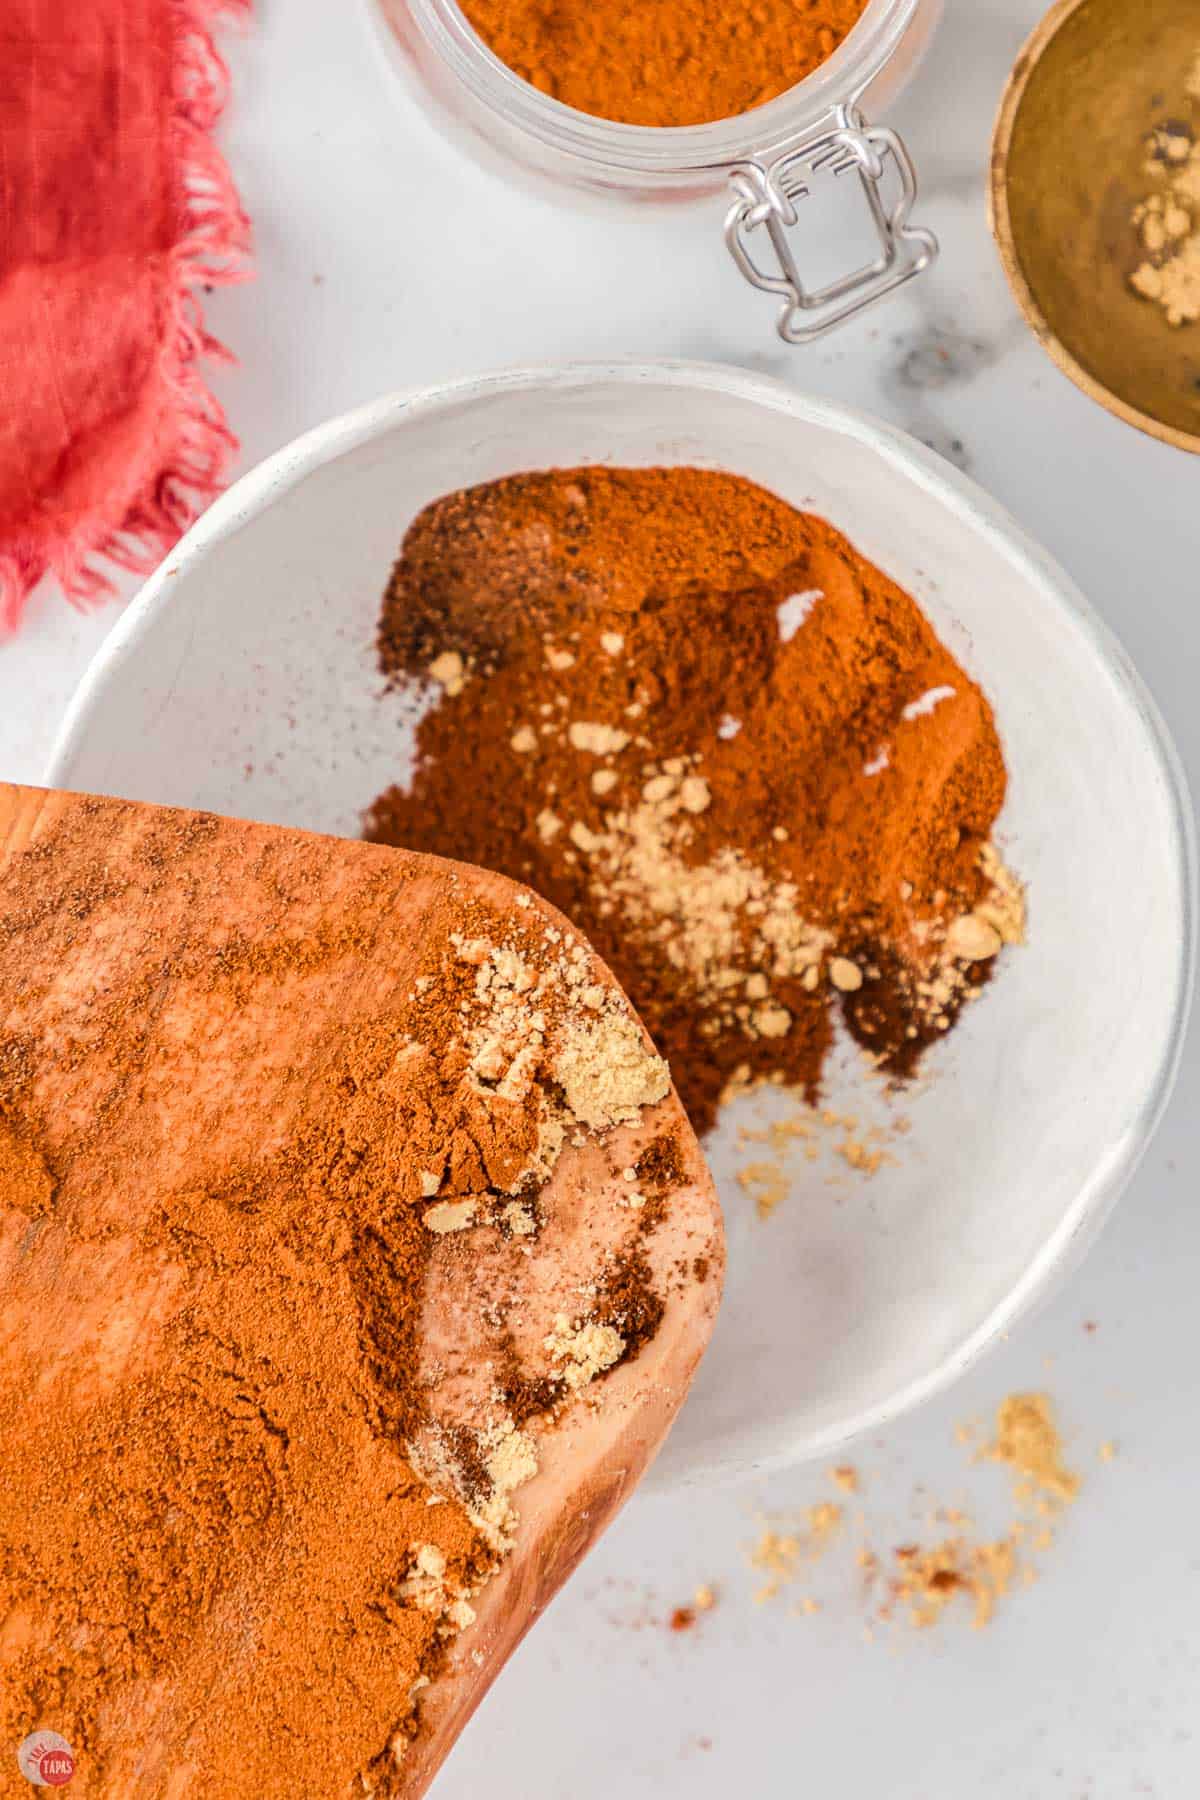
x=1000 y=217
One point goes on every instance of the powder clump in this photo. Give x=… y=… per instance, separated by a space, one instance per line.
x=1027 y=1440
x=607 y=1074
x=583 y=1351
x=1167 y=219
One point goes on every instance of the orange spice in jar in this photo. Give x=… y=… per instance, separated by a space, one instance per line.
x=663 y=62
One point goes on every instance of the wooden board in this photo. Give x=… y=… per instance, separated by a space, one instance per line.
x=175 y=993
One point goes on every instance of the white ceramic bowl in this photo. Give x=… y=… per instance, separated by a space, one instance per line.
x=244 y=680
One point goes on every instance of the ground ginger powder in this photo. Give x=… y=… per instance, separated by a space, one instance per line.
x=1167 y=219
x=1027 y=1440
x=957 y=1567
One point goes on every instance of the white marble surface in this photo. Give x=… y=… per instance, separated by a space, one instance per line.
x=386 y=258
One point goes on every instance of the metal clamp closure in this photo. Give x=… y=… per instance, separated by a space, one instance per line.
x=768 y=196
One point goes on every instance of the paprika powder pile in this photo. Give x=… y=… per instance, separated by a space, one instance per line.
x=720 y=740
x=663 y=62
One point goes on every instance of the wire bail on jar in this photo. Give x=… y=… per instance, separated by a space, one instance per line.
x=768 y=195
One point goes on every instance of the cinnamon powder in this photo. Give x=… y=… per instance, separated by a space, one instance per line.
x=663 y=62
x=722 y=741
x=246 y=1509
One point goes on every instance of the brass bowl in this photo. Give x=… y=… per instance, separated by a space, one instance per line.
x=1068 y=169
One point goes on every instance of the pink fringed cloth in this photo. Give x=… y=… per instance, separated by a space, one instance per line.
x=116 y=209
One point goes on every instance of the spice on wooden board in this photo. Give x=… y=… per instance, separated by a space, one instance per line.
x=251 y=1496
x=724 y=743
x=663 y=62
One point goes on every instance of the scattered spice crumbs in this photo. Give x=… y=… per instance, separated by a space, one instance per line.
x=919 y=1582
x=1027 y=1440
x=780 y=1554
x=815 y=1135
x=703 y=1600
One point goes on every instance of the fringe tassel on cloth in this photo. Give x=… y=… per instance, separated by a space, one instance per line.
x=146 y=485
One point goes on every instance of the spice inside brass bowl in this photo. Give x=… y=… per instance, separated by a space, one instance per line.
x=1095 y=198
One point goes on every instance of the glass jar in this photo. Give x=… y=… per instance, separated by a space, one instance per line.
x=768 y=157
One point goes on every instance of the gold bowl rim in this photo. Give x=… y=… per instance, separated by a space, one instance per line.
x=1000 y=220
